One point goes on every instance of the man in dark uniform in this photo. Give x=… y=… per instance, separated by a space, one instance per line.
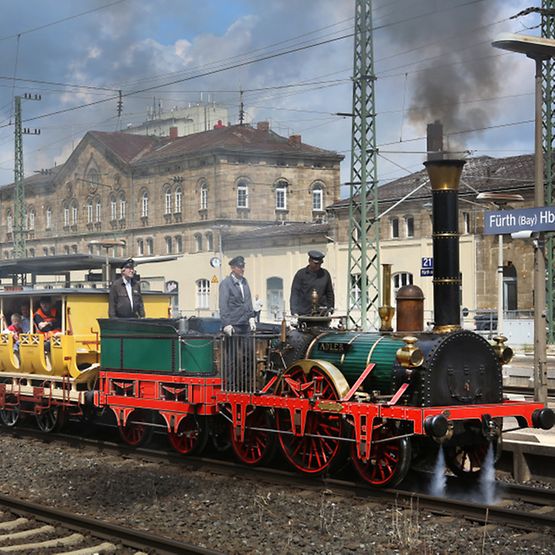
x=312 y=277
x=125 y=299
x=236 y=309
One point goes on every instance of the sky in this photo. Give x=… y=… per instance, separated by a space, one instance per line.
x=433 y=60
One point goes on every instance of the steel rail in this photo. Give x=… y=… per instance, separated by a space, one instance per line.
x=134 y=538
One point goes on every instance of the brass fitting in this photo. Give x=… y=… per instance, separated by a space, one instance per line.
x=410 y=356
x=504 y=354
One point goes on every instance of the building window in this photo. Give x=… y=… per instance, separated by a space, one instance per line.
x=98 y=211
x=52 y=251
x=90 y=248
x=317 y=198
x=74 y=249
x=178 y=243
x=466 y=223
x=401 y=279
x=394 y=228
x=9 y=221
x=198 y=242
x=31 y=220
x=113 y=208
x=409 y=223
x=242 y=195
x=140 y=247
x=209 y=242
x=32 y=252
x=89 y=211
x=74 y=213
x=66 y=216
x=178 y=200
x=48 y=218
x=144 y=205
x=281 y=195
x=45 y=251
x=66 y=249
x=167 y=201
x=203 y=293
x=356 y=287
x=169 y=245
x=150 y=246
x=122 y=206
x=204 y=196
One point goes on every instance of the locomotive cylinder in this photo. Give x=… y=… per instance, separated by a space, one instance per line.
x=444 y=178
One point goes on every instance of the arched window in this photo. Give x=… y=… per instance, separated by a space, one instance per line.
x=281 y=194
x=317 y=197
x=178 y=243
x=93 y=179
x=203 y=196
x=242 y=194
x=74 y=249
x=48 y=218
x=66 y=215
x=74 y=213
x=98 y=211
x=198 y=242
x=203 y=293
x=9 y=221
x=89 y=211
x=169 y=245
x=45 y=251
x=167 y=200
x=122 y=206
x=113 y=208
x=66 y=249
x=394 y=225
x=144 y=204
x=178 y=200
x=150 y=246
x=400 y=279
x=31 y=218
x=409 y=226
x=209 y=241
x=32 y=252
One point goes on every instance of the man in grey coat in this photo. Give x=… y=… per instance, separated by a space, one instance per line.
x=236 y=310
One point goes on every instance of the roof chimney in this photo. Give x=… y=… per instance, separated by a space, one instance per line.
x=263 y=126
x=173 y=133
x=434 y=143
x=295 y=140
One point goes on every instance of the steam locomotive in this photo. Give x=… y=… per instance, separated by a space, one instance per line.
x=311 y=393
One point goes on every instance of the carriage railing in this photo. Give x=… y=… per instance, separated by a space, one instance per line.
x=239 y=364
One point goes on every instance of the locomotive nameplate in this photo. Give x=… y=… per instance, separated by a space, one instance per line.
x=334 y=347
x=330 y=406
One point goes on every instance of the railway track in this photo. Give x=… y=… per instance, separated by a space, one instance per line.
x=519 y=506
x=27 y=527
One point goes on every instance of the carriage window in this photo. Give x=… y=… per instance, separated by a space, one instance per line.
x=203 y=293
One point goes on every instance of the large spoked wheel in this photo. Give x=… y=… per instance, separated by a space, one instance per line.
x=191 y=437
x=316 y=450
x=259 y=445
x=50 y=420
x=467 y=461
x=10 y=417
x=389 y=461
x=137 y=430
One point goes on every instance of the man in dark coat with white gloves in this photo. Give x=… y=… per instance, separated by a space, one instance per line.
x=125 y=299
x=236 y=310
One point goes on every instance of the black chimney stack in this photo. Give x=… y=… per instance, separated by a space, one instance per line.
x=444 y=178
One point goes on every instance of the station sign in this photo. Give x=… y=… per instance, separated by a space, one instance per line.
x=501 y=222
x=427 y=268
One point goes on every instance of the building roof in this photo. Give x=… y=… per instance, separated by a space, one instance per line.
x=126 y=145
x=484 y=173
x=277 y=233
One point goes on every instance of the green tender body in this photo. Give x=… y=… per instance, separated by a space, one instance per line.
x=350 y=353
x=153 y=346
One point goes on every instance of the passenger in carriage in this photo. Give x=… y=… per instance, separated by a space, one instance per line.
x=15 y=328
x=47 y=319
x=25 y=318
x=125 y=299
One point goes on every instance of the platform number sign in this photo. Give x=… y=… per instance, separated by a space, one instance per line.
x=427 y=268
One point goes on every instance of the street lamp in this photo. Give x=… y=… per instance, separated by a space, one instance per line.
x=539 y=49
x=108 y=244
x=499 y=200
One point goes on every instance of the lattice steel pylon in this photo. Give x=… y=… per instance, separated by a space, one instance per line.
x=363 y=284
x=548 y=124
x=20 y=215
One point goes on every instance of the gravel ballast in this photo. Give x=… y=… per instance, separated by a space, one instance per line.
x=235 y=514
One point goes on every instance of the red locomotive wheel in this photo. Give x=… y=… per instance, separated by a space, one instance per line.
x=315 y=451
x=137 y=431
x=389 y=461
x=259 y=445
x=191 y=436
x=467 y=461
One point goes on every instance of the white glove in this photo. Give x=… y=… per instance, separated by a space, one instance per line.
x=252 y=324
x=228 y=330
